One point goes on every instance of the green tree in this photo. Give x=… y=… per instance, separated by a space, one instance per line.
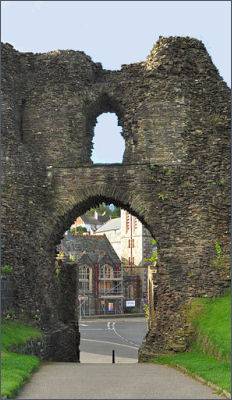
x=154 y=255
x=79 y=230
x=104 y=209
x=116 y=212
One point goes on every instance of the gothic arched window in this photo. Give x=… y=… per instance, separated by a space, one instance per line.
x=106 y=272
x=85 y=278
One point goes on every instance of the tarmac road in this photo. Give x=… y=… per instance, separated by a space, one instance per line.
x=113 y=381
x=100 y=336
x=97 y=378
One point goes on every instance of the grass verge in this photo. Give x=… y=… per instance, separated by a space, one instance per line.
x=199 y=364
x=209 y=355
x=16 y=368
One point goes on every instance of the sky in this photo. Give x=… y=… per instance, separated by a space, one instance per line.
x=116 y=33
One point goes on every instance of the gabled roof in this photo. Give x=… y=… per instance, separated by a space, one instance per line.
x=112 y=224
x=95 y=247
x=106 y=259
x=85 y=259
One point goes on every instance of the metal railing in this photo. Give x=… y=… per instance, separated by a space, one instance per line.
x=111 y=277
x=112 y=291
x=118 y=289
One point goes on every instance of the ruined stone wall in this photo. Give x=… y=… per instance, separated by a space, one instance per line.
x=6 y=295
x=174 y=111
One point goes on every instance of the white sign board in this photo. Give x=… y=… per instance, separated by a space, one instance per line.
x=130 y=303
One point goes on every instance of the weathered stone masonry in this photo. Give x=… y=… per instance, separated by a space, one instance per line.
x=174 y=111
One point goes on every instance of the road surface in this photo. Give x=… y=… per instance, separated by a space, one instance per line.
x=112 y=381
x=100 y=336
x=97 y=378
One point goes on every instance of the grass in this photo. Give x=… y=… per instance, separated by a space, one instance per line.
x=212 y=324
x=15 y=333
x=16 y=368
x=209 y=355
x=202 y=365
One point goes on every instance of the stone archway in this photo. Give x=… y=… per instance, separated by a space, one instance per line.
x=174 y=110
x=67 y=312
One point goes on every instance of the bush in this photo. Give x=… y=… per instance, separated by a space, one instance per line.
x=79 y=230
x=7 y=269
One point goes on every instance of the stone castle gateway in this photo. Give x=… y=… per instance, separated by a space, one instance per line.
x=174 y=112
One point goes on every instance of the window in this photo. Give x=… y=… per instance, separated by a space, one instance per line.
x=85 y=281
x=102 y=272
x=127 y=221
x=129 y=243
x=104 y=286
x=106 y=272
x=131 y=261
x=118 y=274
x=133 y=243
x=84 y=286
x=108 y=143
x=84 y=273
x=135 y=223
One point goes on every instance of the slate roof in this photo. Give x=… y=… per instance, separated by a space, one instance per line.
x=97 y=248
x=112 y=224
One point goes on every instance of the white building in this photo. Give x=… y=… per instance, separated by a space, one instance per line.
x=132 y=243
x=91 y=223
x=135 y=241
x=112 y=230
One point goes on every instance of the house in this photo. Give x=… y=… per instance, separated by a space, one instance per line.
x=112 y=230
x=135 y=241
x=91 y=223
x=133 y=244
x=100 y=273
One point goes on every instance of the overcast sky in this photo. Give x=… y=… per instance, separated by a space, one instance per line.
x=115 y=33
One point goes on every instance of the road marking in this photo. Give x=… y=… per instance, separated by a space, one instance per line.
x=93 y=329
x=122 y=337
x=115 y=344
x=110 y=327
x=83 y=325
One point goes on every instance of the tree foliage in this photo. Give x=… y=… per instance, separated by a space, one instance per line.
x=154 y=255
x=105 y=209
x=78 y=230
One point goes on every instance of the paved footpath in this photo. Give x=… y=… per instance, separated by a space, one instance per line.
x=112 y=381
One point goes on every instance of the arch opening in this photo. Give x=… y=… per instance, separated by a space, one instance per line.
x=111 y=279
x=108 y=143
x=104 y=119
x=66 y=220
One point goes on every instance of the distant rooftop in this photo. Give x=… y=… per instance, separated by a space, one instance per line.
x=95 y=247
x=95 y=219
x=112 y=224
